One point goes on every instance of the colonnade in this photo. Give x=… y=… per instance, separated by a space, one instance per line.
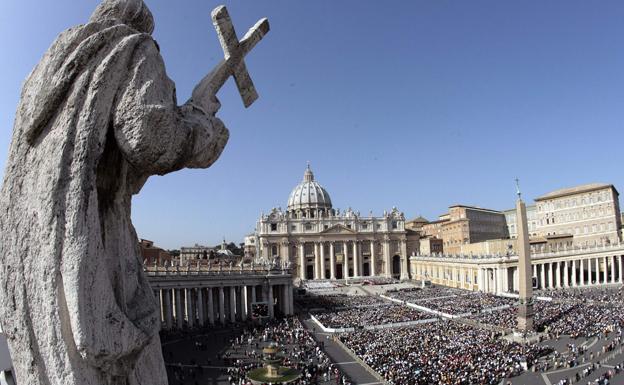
x=195 y=304
x=585 y=271
x=500 y=274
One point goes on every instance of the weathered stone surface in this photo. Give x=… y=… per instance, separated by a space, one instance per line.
x=98 y=116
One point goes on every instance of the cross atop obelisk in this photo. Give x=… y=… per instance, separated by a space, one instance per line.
x=525 y=308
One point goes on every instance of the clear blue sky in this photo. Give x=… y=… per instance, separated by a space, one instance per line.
x=412 y=104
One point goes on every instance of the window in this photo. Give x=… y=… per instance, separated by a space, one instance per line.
x=273 y=226
x=293 y=227
x=364 y=226
x=308 y=226
x=394 y=225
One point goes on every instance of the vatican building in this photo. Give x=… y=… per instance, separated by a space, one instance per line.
x=321 y=242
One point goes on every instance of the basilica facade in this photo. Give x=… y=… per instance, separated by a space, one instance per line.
x=321 y=242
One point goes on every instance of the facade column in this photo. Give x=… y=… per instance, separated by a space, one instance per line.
x=619 y=258
x=551 y=276
x=322 y=272
x=542 y=276
x=232 y=304
x=372 y=258
x=612 y=263
x=190 y=316
x=584 y=274
x=221 y=305
x=200 y=306
x=302 y=262
x=597 y=281
x=566 y=271
x=558 y=274
x=345 y=257
x=356 y=260
x=535 y=270
x=606 y=270
x=291 y=304
x=179 y=309
x=404 y=261
x=317 y=261
x=254 y=297
x=211 y=311
x=574 y=273
x=386 y=256
x=167 y=308
x=332 y=261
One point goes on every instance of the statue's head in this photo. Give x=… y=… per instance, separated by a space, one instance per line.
x=130 y=12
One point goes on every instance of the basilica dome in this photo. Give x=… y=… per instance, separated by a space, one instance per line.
x=309 y=194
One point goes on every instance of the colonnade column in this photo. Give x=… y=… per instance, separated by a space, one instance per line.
x=245 y=299
x=551 y=276
x=232 y=304
x=221 y=305
x=558 y=274
x=211 y=312
x=372 y=258
x=270 y=300
x=179 y=309
x=200 y=307
x=566 y=271
x=302 y=261
x=597 y=280
x=332 y=261
x=542 y=276
x=619 y=258
x=356 y=260
x=188 y=297
x=322 y=246
x=167 y=308
x=574 y=272
x=612 y=262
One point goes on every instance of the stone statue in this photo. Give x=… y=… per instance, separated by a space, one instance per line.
x=98 y=116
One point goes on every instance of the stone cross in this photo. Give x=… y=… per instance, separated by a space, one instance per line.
x=235 y=51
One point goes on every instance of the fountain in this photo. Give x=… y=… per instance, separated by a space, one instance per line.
x=273 y=372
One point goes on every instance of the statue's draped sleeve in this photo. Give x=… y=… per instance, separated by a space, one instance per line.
x=156 y=135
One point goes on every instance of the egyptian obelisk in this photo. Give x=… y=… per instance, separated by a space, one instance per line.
x=525 y=308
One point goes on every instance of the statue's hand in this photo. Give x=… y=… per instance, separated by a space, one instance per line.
x=204 y=93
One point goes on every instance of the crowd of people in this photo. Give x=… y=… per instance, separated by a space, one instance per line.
x=561 y=318
x=337 y=301
x=471 y=303
x=376 y=315
x=607 y=295
x=415 y=294
x=443 y=352
x=300 y=351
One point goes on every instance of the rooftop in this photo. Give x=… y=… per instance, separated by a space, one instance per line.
x=574 y=190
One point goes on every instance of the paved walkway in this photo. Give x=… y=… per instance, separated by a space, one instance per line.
x=356 y=372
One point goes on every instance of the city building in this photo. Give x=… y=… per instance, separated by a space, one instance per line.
x=191 y=253
x=321 y=242
x=510 y=219
x=580 y=216
x=152 y=254
x=463 y=225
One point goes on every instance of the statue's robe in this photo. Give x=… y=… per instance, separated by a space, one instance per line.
x=97 y=116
